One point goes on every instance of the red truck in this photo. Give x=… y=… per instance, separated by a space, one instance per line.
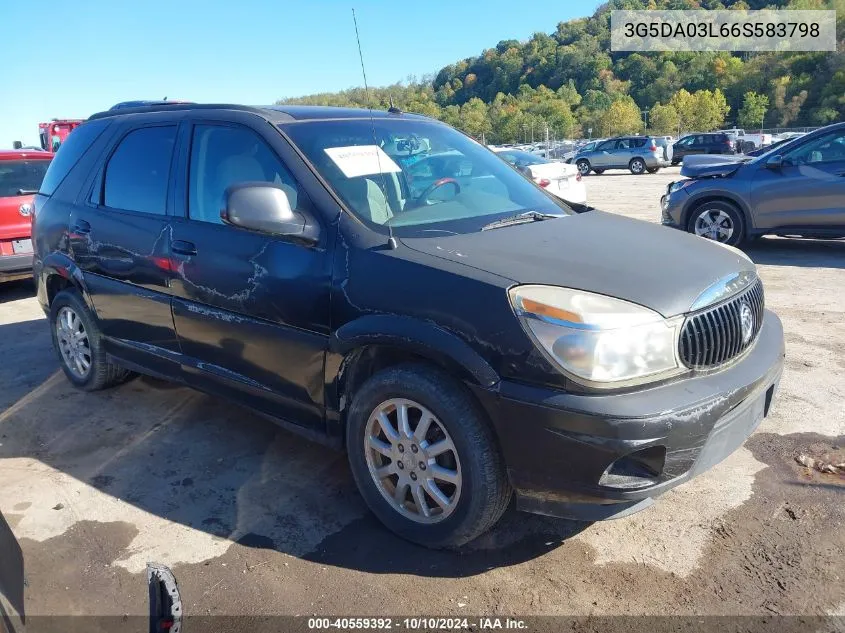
x=54 y=133
x=21 y=173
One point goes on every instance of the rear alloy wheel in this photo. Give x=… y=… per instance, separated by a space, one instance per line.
x=637 y=166
x=583 y=166
x=719 y=221
x=424 y=457
x=79 y=344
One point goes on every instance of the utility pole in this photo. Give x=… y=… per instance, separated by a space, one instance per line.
x=645 y=114
x=762 y=119
x=547 y=140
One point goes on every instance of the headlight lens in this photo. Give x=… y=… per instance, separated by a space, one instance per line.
x=598 y=340
x=679 y=184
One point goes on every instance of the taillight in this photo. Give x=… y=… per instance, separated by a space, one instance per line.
x=727 y=141
x=653 y=148
x=578 y=176
x=544 y=182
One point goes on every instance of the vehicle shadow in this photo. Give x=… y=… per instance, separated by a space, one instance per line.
x=14 y=290
x=797 y=252
x=174 y=457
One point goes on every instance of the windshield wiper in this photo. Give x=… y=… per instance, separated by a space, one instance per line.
x=522 y=218
x=27 y=192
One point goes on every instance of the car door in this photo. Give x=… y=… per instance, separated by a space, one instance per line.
x=807 y=190
x=118 y=238
x=602 y=156
x=682 y=147
x=251 y=309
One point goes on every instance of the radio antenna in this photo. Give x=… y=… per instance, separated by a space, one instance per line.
x=391 y=241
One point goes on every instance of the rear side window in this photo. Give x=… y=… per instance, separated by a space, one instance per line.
x=139 y=170
x=21 y=176
x=76 y=144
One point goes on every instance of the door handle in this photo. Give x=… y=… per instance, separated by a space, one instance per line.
x=183 y=248
x=81 y=226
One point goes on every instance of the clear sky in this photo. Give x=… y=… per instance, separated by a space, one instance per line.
x=69 y=59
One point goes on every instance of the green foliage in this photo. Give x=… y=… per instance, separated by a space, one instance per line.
x=753 y=109
x=570 y=81
x=664 y=119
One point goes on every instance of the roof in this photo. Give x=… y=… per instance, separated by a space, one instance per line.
x=18 y=154
x=275 y=113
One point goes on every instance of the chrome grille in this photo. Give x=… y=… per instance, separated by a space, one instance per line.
x=714 y=336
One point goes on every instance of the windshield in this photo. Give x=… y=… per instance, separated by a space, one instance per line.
x=415 y=174
x=17 y=175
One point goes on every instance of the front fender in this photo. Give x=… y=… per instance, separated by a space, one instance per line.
x=408 y=334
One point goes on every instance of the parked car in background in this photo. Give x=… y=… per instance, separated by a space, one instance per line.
x=710 y=143
x=586 y=146
x=795 y=189
x=463 y=344
x=21 y=173
x=763 y=150
x=744 y=142
x=558 y=178
x=639 y=154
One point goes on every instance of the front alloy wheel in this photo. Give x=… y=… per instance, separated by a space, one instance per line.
x=424 y=456
x=714 y=224
x=583 y=166
x=412 y=460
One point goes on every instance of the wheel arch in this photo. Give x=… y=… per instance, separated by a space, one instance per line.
x=371 y=343
x=721 y=196
x=59 y=272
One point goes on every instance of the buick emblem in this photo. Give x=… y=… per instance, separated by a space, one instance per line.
x=746 y=321
x=25 y=209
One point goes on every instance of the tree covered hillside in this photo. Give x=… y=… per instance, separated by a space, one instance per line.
x=572 y=82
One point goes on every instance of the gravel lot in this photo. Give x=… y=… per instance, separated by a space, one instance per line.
x=254 y=520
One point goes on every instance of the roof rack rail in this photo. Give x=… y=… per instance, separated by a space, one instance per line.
x=170 y=106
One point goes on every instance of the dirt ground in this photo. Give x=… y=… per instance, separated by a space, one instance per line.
x=255 y=520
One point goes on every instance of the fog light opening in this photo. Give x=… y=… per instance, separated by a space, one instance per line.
x=636 y=470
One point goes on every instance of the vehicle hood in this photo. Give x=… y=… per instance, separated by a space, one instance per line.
x=711 y=165
x=647 y=264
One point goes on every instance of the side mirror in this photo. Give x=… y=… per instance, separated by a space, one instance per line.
x=774 y=162
x=17 y=145
x=266 y=208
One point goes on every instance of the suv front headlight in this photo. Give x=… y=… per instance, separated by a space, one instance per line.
x=598 y=340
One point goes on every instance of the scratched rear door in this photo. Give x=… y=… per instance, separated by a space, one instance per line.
x=251 y=310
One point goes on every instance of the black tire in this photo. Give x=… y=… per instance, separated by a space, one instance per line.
x=485 y=491
x=583 y=166
x=738 y=220
x=637 y=166
x=102 y=373
x=599 y=171
x=676 y=162
x=653 y=170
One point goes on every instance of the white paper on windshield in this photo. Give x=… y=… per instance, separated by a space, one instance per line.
x=362 y=160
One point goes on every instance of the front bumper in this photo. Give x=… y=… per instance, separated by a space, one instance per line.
x=592 y=457
x=672 y=209
x=15 y=266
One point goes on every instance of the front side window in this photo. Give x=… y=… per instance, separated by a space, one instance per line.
x=410 y=173
x=138 y=171
x=828 y=148
x=19 y=177
x=222 y=156
x=607 y=146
